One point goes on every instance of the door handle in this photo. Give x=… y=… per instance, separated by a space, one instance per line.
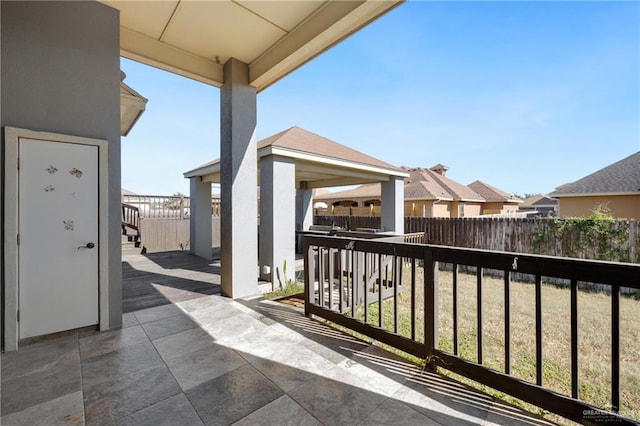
x=88 y=246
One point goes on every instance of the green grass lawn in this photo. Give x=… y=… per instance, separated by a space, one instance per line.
x=594 y=342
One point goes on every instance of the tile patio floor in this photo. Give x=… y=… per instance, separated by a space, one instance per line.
x=204 y=359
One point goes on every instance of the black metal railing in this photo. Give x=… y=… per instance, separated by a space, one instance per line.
x=131 y=219
x=348 y=280
x=130 y=216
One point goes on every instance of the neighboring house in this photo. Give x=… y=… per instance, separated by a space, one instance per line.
x=427 y=193
x=540 y=205
x=496 y=200
x=430 y=193
x=363 y=200
x=616 y=186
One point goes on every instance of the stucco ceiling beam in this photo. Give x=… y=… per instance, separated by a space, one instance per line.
x=340 y=172
x=147 y=50
x=212 y=177
x=328 y=183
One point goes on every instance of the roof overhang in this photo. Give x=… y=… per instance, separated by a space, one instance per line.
x=437 y=200
x=194 y=39
x=132 y=105
x=518 y=201
x=595 y=194
x=312 y=171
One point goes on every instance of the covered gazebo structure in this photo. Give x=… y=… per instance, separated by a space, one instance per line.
x=291 y=164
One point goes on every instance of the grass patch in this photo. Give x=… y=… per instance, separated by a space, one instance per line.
x=594 y=331
x=293 y=288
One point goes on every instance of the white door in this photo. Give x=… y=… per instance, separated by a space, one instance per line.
x=58 y=236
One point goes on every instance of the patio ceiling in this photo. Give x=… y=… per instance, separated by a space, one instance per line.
x=195 y=38
x=320 y=162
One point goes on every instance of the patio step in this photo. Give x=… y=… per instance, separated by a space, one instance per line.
x=129 y=247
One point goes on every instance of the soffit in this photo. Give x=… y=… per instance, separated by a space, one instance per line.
x=314 y=174
x=195 y=38
x=132 y=105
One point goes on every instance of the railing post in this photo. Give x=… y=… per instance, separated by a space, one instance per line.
x=615 y=348
x=430 y=303
x=309 y=273
x=539 y=359
x=574 y=339
x=479 y=314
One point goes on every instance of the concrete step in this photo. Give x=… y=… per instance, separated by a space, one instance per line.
x=129 y=247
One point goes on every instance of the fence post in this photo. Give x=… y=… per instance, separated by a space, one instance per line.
x=181 y=207
x=633 y=241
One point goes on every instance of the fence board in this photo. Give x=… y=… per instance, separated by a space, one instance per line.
x=168 y=234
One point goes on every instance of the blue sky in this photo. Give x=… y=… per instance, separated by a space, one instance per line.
x=524 y=96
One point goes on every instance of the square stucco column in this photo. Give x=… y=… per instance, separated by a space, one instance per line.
x=393 y=205
x=200 y=218
x=304 y=210
x=239 y=174
x=277 y=219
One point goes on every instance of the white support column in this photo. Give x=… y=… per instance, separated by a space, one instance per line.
x=239 y=204
x=304 y=209
x=200 y=218
x=277 y=219
x=393 y=205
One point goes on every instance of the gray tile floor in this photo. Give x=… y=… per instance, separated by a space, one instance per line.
x=215 y=361
x=211 y=360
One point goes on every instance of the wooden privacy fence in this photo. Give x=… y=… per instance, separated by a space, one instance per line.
x=348 y=222
x=586 y=239
x=171 y=234
x=162 y=221
x=360 y=284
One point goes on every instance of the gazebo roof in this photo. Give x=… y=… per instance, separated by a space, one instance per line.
x=320 y=162
x=196 y=38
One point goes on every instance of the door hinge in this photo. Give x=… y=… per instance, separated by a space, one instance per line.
x=18 y=315
x=18 y=239
x=18 y=163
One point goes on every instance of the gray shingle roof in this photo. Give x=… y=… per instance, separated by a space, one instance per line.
x=539 y=201
x=299 y=139
x=303 y=141
x=620 y=177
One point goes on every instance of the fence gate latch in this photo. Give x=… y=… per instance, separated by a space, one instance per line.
x=514 y=265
